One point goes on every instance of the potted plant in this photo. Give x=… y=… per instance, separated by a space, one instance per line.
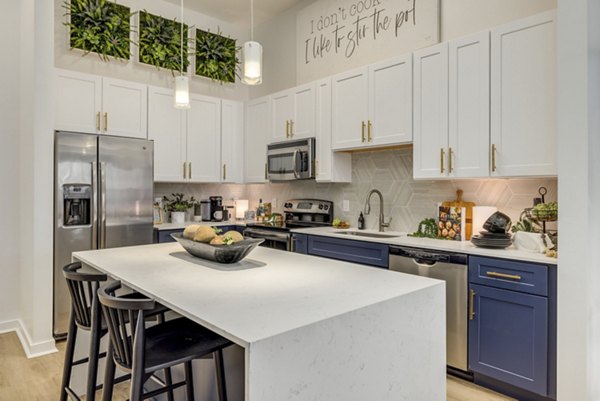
x=178 y=206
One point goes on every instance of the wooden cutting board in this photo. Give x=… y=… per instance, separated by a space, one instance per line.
x=459 y=202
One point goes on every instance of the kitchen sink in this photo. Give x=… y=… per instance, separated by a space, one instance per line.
x=369 y=235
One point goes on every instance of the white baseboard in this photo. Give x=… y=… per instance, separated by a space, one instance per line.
x=31 y=349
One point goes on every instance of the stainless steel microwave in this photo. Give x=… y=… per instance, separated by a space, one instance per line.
x=291 y=160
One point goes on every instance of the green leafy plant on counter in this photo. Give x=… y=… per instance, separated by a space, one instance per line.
x=216 y=56
x=526 y=225
x=178 y=203
x=427 y=229
x=160 y=42
x=99 y=26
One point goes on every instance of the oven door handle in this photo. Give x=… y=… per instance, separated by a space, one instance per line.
x=295 y=157
x=269 y=236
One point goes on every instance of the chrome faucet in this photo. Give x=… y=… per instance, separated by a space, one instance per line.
x=382 y=223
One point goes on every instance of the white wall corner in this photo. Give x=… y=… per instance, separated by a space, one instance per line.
x=31 y=349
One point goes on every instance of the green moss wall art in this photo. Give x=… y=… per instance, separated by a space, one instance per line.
x=216 y=56
x=99 y=26
x=160 y=42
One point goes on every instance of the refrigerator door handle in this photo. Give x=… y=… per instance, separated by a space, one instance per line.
x=94 y=205
x=102 y=206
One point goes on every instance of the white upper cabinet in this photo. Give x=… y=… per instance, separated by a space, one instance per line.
x=78 y=102
x=372 y=106
x=124 y=108
x=303 y=121
x=232 y=141
x=95 y=105
x=282 y=104
x=258 y=117
x=204 y=139
x=330 y=166
x=469 y=116
x=293 y=113
x=390 y=102
x=523 y=101
x=350 y=111
x=430 y=111
x=166 y=127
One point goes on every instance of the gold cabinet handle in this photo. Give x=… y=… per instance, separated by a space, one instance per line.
x=450 y=155
x=190 y=170
x=106 y=121
x=184 y=170
x=493 y=157
x=442 y=157
x=471 y=304
x=291 y=128
x=363 y=132
x=224 y=171
x=369 y=131
x=287 y=128
x=503 y=275
x=98 y=122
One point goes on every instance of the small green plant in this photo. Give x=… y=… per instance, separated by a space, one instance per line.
x=178 y=203
x=160 y=42
x=99 y=26
x=216 y=56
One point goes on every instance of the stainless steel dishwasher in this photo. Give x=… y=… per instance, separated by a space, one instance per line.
x=452 y=268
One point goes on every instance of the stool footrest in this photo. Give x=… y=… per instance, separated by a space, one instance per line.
x=156 y=392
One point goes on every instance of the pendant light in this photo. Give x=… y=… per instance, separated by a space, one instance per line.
x=252 y=68
x=182 y=82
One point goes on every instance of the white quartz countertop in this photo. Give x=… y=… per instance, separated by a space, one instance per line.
x=402 y=239
x=181 y=226
x=268 y=293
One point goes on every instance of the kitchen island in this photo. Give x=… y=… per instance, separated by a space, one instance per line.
x=311 y=328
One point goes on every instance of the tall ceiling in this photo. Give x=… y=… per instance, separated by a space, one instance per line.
x=238 y=11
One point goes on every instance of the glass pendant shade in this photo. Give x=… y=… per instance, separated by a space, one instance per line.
x=182 y=92
x=252 y=72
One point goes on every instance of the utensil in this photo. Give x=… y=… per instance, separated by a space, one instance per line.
x=225 y=254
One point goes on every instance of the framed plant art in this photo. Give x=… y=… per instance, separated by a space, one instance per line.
x=216 y=56
x=160 y=42
x=99 y=26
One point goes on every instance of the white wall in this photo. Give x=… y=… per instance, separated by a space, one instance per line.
x=9 y=180
x=579 y=194
x=134 y=71
x=458 y=18
x=35 y=172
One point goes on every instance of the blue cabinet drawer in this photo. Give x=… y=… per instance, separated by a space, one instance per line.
x=300 y=243
x=164 y=236
x=366 y=253
x=524 y=277
x=508 y=337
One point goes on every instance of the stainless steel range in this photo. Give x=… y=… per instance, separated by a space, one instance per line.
x=298 y=213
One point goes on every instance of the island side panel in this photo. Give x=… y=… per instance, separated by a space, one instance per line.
x=391 y=351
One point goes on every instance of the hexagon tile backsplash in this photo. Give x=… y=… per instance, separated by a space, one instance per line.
x=405 y=200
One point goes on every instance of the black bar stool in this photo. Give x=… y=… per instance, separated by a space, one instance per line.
x=143 y=351
x=86 y=315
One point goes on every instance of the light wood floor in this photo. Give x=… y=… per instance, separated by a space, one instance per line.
x=38 y=379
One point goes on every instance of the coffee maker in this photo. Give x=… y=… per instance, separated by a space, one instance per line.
x=216 y=208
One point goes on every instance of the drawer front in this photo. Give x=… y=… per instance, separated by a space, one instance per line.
x=366 y=253
x=165 y=235
x=300 y=243
x=524 y=277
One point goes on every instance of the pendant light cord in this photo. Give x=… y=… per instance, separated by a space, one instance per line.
x=181 y=40
x=251 y=20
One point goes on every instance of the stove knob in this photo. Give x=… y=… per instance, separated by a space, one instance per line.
x=320 y=207
x=326 y=207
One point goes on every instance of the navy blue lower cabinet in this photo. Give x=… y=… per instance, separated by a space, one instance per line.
x=366 y=253
x=300 y=243
x=163 y=236
x=508 y=337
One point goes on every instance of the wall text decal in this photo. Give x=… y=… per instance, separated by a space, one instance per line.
x=335 y=35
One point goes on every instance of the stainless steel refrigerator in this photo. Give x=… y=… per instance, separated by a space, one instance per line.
x=103 y=190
